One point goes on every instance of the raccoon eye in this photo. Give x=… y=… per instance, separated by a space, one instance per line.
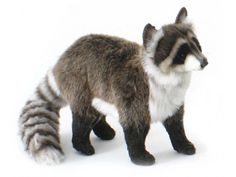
x=181 y=54
x=197 y=43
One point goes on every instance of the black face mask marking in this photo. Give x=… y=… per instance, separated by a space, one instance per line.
x=180 y=57
x=197 y=43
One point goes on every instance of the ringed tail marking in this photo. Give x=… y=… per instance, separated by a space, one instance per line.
x=39 y=122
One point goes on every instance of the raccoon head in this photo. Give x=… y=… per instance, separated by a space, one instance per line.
x=174 y=47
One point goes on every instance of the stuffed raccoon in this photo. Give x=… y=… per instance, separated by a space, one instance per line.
x=142 y=83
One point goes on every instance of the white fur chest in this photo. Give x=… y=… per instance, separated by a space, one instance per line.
x=166 y=98
x=167 y=91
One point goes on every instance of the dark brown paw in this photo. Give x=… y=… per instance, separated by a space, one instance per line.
x=186 y=148
x=86 y=149
x=104 y=132
x=143 y=159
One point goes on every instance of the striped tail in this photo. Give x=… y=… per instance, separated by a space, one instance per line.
x=39 y=122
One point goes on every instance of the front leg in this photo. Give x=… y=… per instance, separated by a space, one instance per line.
x=175 y=128
x=132 y=98
x=135 y=140
x=136 y=123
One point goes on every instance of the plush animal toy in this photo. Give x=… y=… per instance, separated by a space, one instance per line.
x=143 y=83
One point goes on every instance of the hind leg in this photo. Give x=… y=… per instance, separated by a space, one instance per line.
x=103 y=130
x=84 y=119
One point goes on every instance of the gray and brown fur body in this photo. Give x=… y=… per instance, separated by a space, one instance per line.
x=144 y=83
x=104 y=67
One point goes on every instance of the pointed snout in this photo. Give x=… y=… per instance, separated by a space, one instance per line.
x=204 y=63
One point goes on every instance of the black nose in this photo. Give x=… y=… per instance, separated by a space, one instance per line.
x=204 y=63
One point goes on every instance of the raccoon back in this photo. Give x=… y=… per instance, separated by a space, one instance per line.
x=97 y=60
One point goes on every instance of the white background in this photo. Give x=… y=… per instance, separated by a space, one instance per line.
x=33 y=34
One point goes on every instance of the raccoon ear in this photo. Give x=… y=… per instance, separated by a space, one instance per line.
x=181 y=15
x=148 y=32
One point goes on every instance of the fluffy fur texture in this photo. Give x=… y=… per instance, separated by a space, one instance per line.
x=167 y=92
x=39 y=124
x=105 y=107
x=99 y=73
